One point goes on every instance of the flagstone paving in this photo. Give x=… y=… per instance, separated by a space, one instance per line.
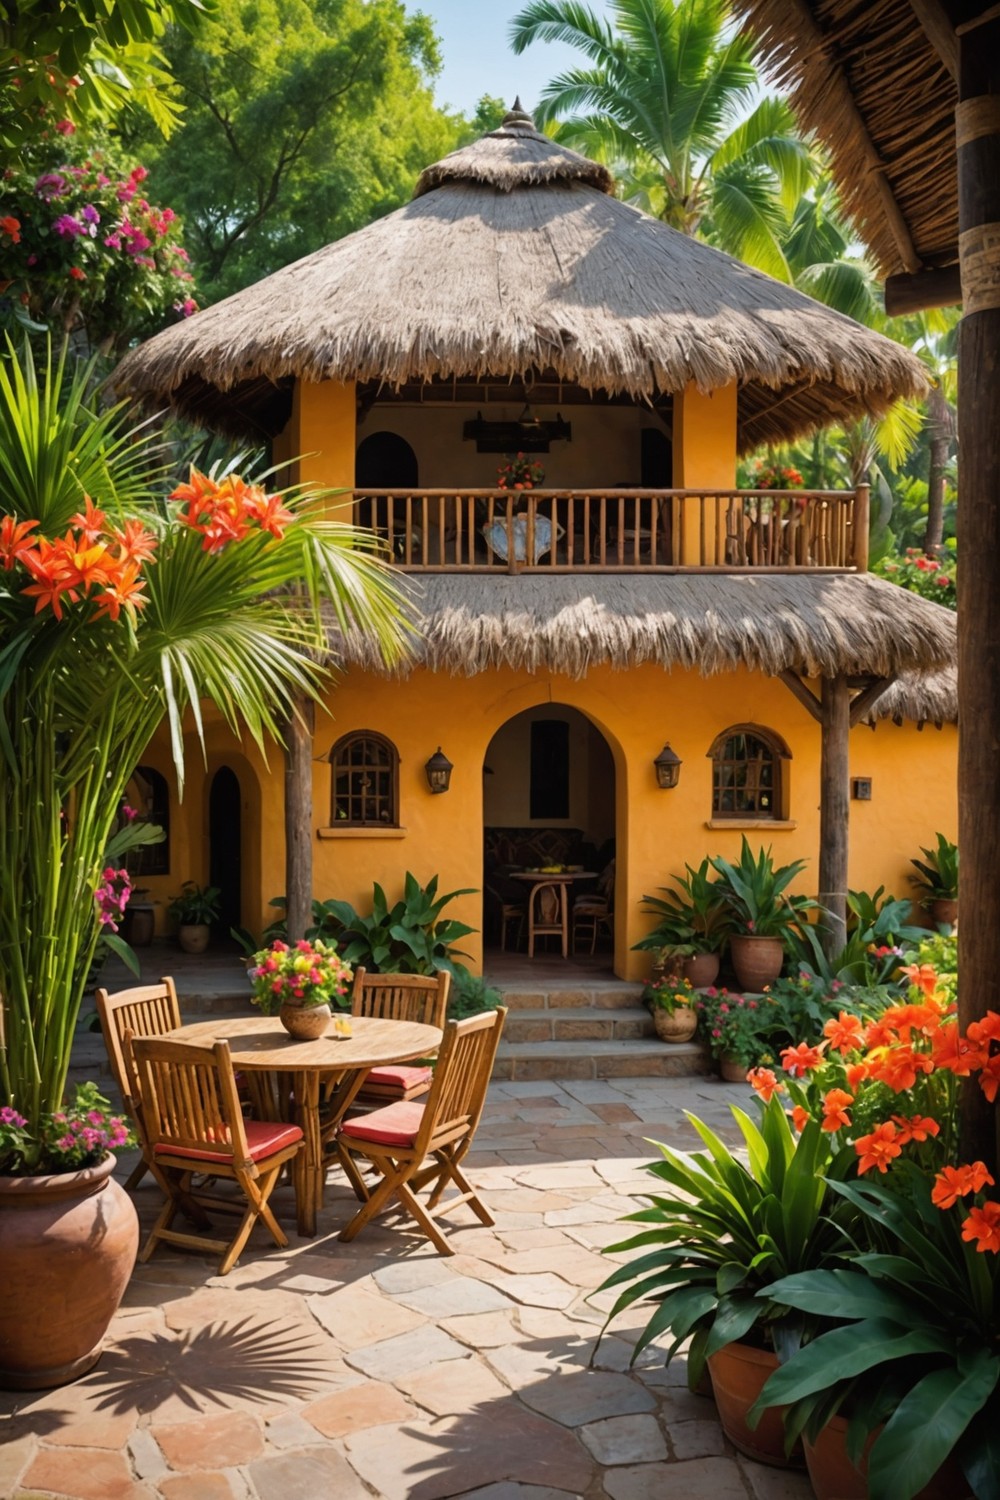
x=382 y=1371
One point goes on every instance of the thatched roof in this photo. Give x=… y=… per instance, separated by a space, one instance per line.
x=570 y=623
x=513 y=260
x=927 y=697
x=871 y=84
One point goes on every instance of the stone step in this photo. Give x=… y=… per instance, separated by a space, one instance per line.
x=579 y=1024
x=528 y=1061
x=606 y=995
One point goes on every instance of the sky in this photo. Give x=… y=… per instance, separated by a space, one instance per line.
x=476 y=56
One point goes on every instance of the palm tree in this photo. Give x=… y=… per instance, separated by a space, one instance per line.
x=119 y=610
x=669 y=101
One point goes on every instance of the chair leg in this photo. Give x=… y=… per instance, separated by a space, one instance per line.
x=376 y=1202
x=417 y=1211
x=350 y=1169
x=136 y=1175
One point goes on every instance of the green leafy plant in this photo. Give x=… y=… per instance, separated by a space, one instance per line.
x=937 y=873
x=737 y=1026
x=693 y=919
x=720 y=1231
x=470 y=995
x=196 y=905
x=754 y=891
x=408 y=937
x=669 y=997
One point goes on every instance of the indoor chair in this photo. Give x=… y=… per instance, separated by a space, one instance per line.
x=415 y=1145
x=146 y=1010
x=592 y=912
x=194 y=1124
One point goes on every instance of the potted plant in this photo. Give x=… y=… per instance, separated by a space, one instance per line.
x=736 y=1029
x=194 y=911
x=302 y=982
x=719 y=1231
x=762 y=914
x=97 y=646
x=693 y=923
x=672 y=1008
x=937 y=881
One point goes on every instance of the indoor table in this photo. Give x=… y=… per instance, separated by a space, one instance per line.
x=275 y=1064
x=553 y=903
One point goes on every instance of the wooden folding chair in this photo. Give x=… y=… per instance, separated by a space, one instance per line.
x=146 y=1010
x=194 y=1124
x=399 y=997
x=414 y=1145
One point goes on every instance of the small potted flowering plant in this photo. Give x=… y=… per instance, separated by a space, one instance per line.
x=672 y=1007
x=302 y=983
x=736 y=1029
x=520 y=472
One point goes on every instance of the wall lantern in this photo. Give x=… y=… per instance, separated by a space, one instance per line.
x=668 y=768
x=439 y=769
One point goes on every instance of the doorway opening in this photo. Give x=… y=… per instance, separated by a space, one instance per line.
x=548 y=809
x=225 y=847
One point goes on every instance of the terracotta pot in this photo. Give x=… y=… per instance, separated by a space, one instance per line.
x=731 y=1069
x=738 y=1375
x=67 y=1247
x=138 y=924
x=679 y=1027
x=834 y=1477
x=193 y=936
x=701 y=969
x=305 y=1022
x=757 y=961
x=944 y=913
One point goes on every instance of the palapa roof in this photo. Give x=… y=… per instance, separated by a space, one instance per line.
x=817 y=625
x=880 y=92
x=515 y=260
x=924 y=696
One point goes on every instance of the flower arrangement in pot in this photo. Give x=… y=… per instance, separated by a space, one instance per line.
x=761 y=912
x=117 y=610
x=194 y=911
x=693 y=924
x=672 y=1008
x=520 y=472
x=936 y=881
x=736 y=1029
x=302 y=982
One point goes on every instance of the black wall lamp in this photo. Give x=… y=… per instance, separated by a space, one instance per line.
x=439 y=769
x=668 y=768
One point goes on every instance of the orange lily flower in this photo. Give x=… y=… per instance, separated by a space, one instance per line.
x=878 y=1149
x=800 y=1117
x=93 y=522
x=924 y=976
x=983 y=1226
x=845 y=1034
x=765 y=1083
x=136 y=543
x=952 y=1183
x=835 y=1103
x=801 y=1059
x=916 y=1128
x=14 y=540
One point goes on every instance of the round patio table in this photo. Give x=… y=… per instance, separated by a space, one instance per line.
x=552 y=893
x=272 y=1060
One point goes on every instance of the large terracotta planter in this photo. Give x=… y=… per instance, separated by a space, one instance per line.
x=67 y=1247
x=738 y=1375
x=757 y=961
x=701 y=969
x=194 y=936
x=679 y=1027
x=944 y=913
x=834 y=1477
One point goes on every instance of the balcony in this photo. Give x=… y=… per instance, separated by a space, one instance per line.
x=620 y=530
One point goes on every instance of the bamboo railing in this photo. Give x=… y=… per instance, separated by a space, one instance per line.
x=620 y=530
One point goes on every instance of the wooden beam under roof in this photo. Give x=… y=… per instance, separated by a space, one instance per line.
x=938 y=28
x=939 y=286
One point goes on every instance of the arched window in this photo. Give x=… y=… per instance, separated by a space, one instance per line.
x=364 y=781
x=149 y=795
x=747 y=773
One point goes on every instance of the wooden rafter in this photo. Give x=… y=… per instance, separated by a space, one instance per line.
x=868 y=696
x=937 y=27
x=793 y=682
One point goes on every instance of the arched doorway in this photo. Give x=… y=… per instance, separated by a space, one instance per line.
x=384 y=461
x=548 y=799
x=225 y=846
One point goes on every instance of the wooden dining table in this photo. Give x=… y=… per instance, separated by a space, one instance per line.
x=551 y=888
x=279 y=1069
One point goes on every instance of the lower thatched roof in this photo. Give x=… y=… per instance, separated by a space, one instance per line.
x=926 y=697
x=818 y=625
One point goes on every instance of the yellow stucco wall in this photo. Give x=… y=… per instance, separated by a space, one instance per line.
x=913 y=776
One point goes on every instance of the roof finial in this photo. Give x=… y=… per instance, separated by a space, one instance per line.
x=517 y=115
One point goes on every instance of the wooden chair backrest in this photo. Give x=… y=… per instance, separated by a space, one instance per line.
x=146 y=1010
x=402 y=997
x=461 y=1077
x=189 y=1098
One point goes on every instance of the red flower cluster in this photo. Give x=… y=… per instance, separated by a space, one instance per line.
x=94 y=560
x=776 y=477
x=520 y=473
x=227 y=510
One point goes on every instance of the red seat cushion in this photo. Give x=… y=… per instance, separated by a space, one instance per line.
x=264 y=1137
x=399 y=1077
x=395 y=1125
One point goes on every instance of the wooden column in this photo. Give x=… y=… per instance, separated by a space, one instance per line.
x=299 y=820
x=978 y=141
x=834 y=809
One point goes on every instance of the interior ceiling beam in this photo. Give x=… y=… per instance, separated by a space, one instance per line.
x=937 y=27
x=912 y=292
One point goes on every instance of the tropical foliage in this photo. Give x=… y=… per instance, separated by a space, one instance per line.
x=408 y=937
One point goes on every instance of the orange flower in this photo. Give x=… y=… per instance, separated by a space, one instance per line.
x=983 y=1034
x=924 y=976
x=14 y=540
x=765 y=1083
x=952 y=1183
x=835 y=1104
x=801 y=1059
x=879 y=1033
x=92 y=522
x=897 y=1067
x=916 y=1128
x=800 y=1117
x=845 y=1034
x=48 y=564
x=856 y=1073
x=877 y=1149
x=952 y=1051
x=983 y=1226
x=136 y=543
x=124 y=591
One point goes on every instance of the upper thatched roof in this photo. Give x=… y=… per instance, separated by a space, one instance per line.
x=513 y=259
x=870 y=82
x=570 y=623
x=924 y=696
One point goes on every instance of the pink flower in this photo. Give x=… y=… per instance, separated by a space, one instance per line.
x=65 y=127
x=67 y=226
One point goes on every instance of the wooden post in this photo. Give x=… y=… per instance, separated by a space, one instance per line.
x=834 y=809
x=978 y=140
x=298 y=820
x=861 y=523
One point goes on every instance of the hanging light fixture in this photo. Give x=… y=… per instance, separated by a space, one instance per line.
x=668 y=768
x=529 y=423
x=439 y=769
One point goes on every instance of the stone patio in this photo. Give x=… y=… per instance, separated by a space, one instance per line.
x=379 y=1369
